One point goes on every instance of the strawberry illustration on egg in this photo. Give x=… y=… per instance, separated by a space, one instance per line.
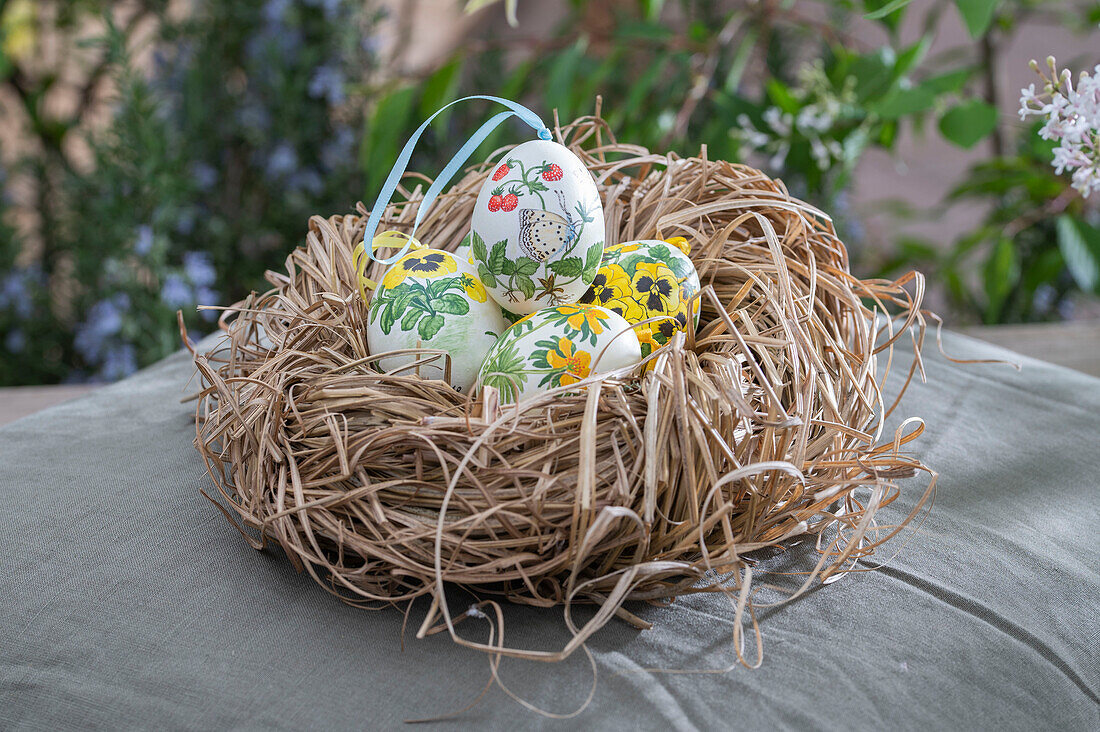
x=552 y=172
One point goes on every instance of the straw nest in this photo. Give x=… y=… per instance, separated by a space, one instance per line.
x=761 y=425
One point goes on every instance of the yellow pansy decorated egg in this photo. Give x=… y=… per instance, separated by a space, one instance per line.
x=433 y=299
x=558 y=346
x=537 y=228
x=646 y=279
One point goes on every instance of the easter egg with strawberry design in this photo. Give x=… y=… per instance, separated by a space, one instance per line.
x=648 y=280
x=556 y=347
x=431 y=299
x=537 y=231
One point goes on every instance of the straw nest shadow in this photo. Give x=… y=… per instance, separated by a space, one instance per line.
x=761 y=425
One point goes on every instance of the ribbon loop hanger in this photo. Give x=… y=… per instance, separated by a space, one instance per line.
x=452 y=167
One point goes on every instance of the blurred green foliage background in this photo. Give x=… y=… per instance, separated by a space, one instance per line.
x=229 y=124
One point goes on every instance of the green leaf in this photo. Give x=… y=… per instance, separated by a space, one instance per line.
x=903 y=102
x=886 y=9
x=977 y=14
x=477 y=244
x=440 y=88
x=410 y=319
x=1043 y=269
x=384 y=134
x=1001 y=273
x=487 y=277
x=401 y=302
x=430 y=326
x=952 y=81
x=507 y=267
x=388 y=318
x=562 y=75
x=1080 y=245
x=568 y=267
x=781 y=96
x=498 y=257
x=527 y=266
x=593 y=257
x=913 y=55
x=452 y=304
x=629 y=262
x=969 y=122
x=653 y=9
x=439 y=286
x=888 y=134
x=526 y=286
x=874 y=73
x=640 y=88
x=740 y=62
x=920 y=250
x=660 y=251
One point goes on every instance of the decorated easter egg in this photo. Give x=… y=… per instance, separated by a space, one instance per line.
x=537 y=228
x=558 y=346
x=646 y=279
x=433 y=299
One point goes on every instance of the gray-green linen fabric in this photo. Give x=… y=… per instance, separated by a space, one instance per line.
x=127 y=601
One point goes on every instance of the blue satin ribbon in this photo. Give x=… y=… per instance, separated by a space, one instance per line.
x=448 y=172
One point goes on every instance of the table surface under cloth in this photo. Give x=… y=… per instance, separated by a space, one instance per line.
x=128 y=601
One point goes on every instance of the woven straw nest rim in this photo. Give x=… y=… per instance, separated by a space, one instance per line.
x=763 y=424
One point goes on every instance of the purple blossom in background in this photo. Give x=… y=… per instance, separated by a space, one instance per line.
x=308 y=181
x=199 y=269
x=16 y=341
x=103 y=321
x=204 y=175
x=143 y=242
x=282 y=161
x=336 y=150
x=371 y=45
x=254 y=117
x=185 y=221
x=328 y=84
x=13 y=289
x=1044 y=297
x=275 y=36
x=118 y=361
x=176 y=293
x=274 y=10
x=15 y=294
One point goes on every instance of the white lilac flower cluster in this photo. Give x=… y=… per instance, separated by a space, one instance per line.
x=1072 y=119
x=822 y=107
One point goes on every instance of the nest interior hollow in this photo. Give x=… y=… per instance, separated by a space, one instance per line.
x=761 y=424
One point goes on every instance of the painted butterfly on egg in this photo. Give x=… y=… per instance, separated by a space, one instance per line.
x=542 y=234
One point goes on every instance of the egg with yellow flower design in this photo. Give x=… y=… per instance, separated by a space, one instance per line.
x=558 y=346
x=433 y=299
x=644 y=279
